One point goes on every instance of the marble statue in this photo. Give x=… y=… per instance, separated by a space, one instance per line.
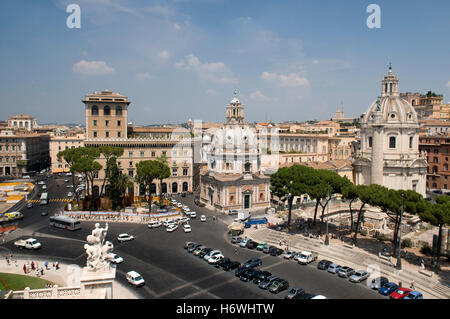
x=98 y=251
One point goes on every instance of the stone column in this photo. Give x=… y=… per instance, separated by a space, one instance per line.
x=377 y=155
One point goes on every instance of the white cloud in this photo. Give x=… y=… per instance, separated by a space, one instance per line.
x=143 y=76
x=177 y=26
x=92 y=68
x=258 y=96
x=289 y=80
x=164 y=54
x=215 y=71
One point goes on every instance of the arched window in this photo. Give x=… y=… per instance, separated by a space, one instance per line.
x=106 y=110
x=392 y=142
x=185 y=187
x=118 y=110
x=94 y=110
x=174 y=187
x=164 y=188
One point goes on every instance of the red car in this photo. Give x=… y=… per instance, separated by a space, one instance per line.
x=400 y=293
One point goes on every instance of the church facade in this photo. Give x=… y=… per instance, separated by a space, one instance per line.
x=389 y=147
x=233 y=179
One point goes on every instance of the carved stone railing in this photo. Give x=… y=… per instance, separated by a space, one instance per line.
x=47 y=293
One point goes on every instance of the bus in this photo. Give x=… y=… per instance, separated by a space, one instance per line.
x=65 y=222
x=44 y=199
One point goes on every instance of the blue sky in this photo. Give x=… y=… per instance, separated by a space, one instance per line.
x=182 y=59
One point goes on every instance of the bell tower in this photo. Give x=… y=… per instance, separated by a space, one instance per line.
x=235 y=111
x=389 y=84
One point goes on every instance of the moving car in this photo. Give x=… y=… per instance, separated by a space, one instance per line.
x=414 y=295
x=193 y=215
x=203 y=218
x=278 y=286
x=124 y=237
x=333 y=268
x=378 y=282
x=345 y=272
x=114 y=258
x=359 y=276
x=30 y=243
x=254 y=262
x=186 y=228
x=168 y=222
x=135 y=279
x=295 y=293
x=69 y=194
x=44 y=213
x=324 y=264
x=154 y=224
x=400 y=293
x=30 y=205
x=388 y=288
x=171 y=228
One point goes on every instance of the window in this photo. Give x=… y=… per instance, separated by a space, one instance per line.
x=95 y=122
x=106 y=110
x=94 y=110
x=131 y=163
x=185 y=171
x=411 y=139
x=392 y=142
x=118 y=123
x=445 y=167
x=435 y=160
x=174 y=171
x=130 y=173
x=118 y=110
x=153 y=153
x=370 y=141
x=118 y=134
x=164 y=153
x=106 y=134
x=94 y=134
x=106 y=122
x=142 y=153
x=130 y=154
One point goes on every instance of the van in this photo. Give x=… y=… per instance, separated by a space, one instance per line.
x=135 y=279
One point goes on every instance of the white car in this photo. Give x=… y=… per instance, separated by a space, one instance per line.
x=114 y=258
x=215 y=258
x=179 y=205
x=211 y=254
x=44 y=186
x=319 y=297
x=154 y=224
x=187 y=228
x=183 y=220
x=69 y=194
x=169 y=222
x=135 y=279
x=124 y=237
x=203 y=218
x=193 y=215
x=174 y=201
x=41 y=183
x=171 y=228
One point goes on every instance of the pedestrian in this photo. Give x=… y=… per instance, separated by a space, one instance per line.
x=37 y=273
x=7 y=261
x=46 y=265
x=42 y=271
x=32 y=265
x=57 y=265
x=412 y=285
x=25 y=268
x=399 y=284
x=422 y=264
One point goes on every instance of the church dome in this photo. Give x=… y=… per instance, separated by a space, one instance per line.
x=390 y=107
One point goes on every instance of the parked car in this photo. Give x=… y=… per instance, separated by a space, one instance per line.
x=236 y=240
x=222 y=262
x=359 y=276
x=203 y=218
x=188 y=244
x=135 y=279
x=254 y=262
x=333 y=268
x=172 y=228
x=239 y=271
x=187 y=228
x=124 y=237
x=204 y=251
x=289 y=255
x=251 y=244
x=198 y=250
x=211 y=253
x=345 y=272
x=233 y=212
x=318 y=297
x=278 y=286
x=154 y=224
x=400 y=293
x=276 y=252
x=44 y=213
x=378 y=282
x=169 y=222
x=249 y=274
x=231 y=265
x=306 y=296
x=297 y=256
x=261 y=277
x=324 y=264
x=295 y=293
x=267 y=249
x=388 y=288
x=114 y=258
x=193 y=248
x=267 y=282
x=193 y=214
x=414 y=295
x=214 y=259
x=261 y=246
x=244 y=242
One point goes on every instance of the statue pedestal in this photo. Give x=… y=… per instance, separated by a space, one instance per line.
x=97 y=284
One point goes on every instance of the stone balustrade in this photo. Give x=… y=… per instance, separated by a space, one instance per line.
x=48 y=293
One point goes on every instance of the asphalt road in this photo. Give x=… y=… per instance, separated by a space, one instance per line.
x=169 y=270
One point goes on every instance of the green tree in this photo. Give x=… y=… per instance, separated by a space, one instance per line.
x=350 y=192
x=163 y=172
x=437 y=214
x=146 y=172
x=107 y=152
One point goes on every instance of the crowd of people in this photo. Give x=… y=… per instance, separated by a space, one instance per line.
x=32 y=266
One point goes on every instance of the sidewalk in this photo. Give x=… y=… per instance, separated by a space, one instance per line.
x=356 y=258
x=65 y=276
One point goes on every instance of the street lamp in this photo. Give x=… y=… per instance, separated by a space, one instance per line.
x=327 y=240
x=399 y=258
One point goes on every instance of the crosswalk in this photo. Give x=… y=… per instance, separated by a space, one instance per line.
x=54 y=200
